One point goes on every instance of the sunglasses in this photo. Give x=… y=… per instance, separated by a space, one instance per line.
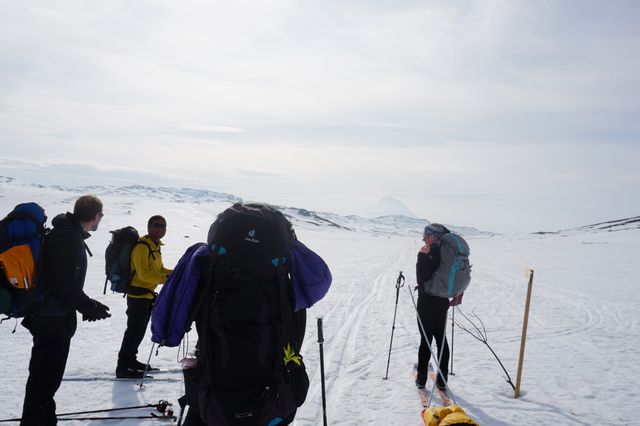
x=159 y=225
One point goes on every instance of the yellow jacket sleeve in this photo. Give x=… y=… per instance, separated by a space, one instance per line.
x=148 y=267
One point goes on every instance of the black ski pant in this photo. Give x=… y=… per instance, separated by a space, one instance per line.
x=51 y=341
x=138 y=314
x=432 y=311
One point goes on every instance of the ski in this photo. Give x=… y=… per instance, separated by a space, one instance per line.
x=123 y=379
x=151 y=416
x=165 y=371
x=163 y=407
x=442 y=393
x=423 y=393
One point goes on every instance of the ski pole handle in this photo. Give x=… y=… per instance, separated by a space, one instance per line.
x=320 y=337
x=400 y=281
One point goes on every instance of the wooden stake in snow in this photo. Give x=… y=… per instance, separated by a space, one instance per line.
x=523 y=339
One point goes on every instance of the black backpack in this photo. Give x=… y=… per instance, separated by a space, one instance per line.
x=250 y=371
x=22 y=234
x=117 y=259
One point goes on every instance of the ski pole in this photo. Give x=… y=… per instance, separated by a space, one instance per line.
x=161 y=407
x=324 y=398
x=440 y=353
x=433 y=356
x=150 y=416
x=146 y=367
x=453 y=316
x=399 y=283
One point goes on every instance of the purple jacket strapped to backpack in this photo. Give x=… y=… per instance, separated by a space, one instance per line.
x=310 y=276
x=310 y=279
x=171 y=310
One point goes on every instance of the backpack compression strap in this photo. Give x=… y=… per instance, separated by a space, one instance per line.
x=288 y=340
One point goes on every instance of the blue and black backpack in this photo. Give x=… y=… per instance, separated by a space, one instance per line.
x=22 y=234
x=117 y=261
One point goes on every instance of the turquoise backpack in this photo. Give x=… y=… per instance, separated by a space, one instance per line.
x=454 y=273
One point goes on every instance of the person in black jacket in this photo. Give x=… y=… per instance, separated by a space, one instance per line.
x=53 y=323
x=432 y=310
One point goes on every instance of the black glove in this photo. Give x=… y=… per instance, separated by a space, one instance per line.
x=94 y=311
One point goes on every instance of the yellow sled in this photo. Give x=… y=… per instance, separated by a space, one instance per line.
x=446 y=416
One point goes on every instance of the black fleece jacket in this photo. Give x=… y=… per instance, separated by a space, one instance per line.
x=427 y=265
x=65 y=267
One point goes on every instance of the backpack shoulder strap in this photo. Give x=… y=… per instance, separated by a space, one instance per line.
x=201 y=313
x=143 y=242
x=133 y=290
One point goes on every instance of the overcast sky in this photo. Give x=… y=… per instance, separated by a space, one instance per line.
x=504 y=115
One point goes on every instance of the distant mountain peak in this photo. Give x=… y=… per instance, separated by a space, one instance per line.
x=389 y=206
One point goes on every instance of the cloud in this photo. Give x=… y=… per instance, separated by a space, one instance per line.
x=255 y=173
x=350 y=100
x=207 y=128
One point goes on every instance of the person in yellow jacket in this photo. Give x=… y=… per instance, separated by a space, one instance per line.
x=148 y=273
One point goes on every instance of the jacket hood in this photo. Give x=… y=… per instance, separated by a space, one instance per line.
x=67 y=221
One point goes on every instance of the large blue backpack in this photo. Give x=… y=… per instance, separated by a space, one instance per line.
x=22 y=235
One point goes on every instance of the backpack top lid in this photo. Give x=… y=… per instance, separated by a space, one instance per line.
x=25 y=222
x=254 y=230
x=29 y=210
x=456 y=243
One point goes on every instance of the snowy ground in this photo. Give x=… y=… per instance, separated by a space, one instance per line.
x=581 y=356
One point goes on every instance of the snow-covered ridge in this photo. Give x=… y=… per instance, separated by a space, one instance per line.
x=179 y=195
x=613 y=225
x=395 y=224
x=608 y=226
x=162 y=193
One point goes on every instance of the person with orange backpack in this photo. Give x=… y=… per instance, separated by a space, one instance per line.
x=53 y=322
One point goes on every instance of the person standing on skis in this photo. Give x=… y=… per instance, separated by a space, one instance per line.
x=432 y=310
x=54 y=321
x=149 y=272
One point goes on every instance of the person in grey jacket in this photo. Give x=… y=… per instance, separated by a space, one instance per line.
x=432 y=310
x=54 y=322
